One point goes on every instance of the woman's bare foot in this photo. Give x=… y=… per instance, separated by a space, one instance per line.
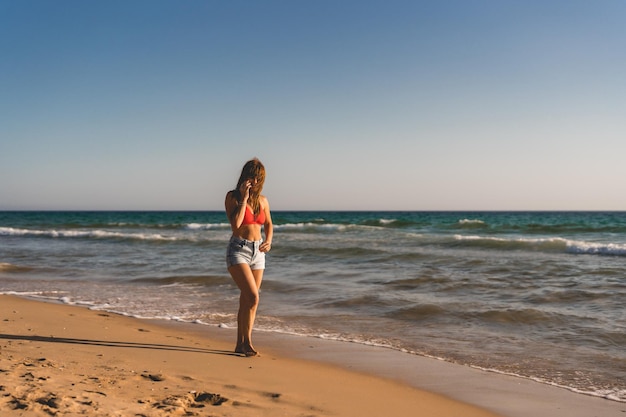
x=246 y=350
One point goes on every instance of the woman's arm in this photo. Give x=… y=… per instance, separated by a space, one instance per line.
x=235 y=210
x=268 y=227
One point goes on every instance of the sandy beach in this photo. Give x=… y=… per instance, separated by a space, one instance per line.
x=64 y=360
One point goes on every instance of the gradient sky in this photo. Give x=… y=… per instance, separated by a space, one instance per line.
x=364 y=105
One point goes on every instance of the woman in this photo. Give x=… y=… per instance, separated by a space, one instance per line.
x=247 y=211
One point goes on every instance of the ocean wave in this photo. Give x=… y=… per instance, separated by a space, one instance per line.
x=418 y=312
x=206 y=226
x=320 y=227
x=527 y=316
x=311 y=227
x=204 y=280
x=387 y=223
x=129 y=225
x=355 y=253
x=471 y=224
x=164 y=226
x=366 y=302
x=570 y=228
x=98 y=234
x=555 y=244
x=612 y=249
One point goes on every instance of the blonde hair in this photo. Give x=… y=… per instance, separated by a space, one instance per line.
x=252 y=169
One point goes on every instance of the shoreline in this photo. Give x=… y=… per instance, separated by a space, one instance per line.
x=505 y=395
x=72 y=360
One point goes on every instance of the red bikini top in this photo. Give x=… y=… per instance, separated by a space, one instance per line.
x=249 y=217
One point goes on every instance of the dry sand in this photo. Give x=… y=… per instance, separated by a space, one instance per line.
x=64 y=361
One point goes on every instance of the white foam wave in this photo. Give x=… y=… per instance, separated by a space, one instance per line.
x=471 y=222
x=487 y=239
x=549 y=244
x=206 y=226
x=33 y=294
x=10 y=231
x=613 y=249
x=609 y=394
x=311 y=226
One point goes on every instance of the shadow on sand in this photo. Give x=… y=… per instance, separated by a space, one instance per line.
x=108 y=343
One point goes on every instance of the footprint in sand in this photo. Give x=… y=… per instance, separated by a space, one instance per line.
x=182 y=403
x=154 y=377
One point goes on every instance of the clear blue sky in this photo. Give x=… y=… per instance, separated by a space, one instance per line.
x=366 y=105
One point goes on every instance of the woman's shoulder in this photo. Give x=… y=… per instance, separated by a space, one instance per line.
x=231 y=196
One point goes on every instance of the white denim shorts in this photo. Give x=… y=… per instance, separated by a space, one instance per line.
x=242 y=251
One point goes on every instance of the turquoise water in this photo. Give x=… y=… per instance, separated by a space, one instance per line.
x=538 y=295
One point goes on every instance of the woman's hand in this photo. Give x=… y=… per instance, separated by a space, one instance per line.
x=244 y=191
x=265 y=247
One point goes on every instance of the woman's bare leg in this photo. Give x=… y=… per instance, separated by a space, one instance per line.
x=249 y=282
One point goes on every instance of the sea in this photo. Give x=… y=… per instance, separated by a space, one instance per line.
x=537 y=295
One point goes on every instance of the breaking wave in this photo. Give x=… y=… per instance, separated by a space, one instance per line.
x=555 y=244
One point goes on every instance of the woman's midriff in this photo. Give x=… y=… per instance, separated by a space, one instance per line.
x=249 y=232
